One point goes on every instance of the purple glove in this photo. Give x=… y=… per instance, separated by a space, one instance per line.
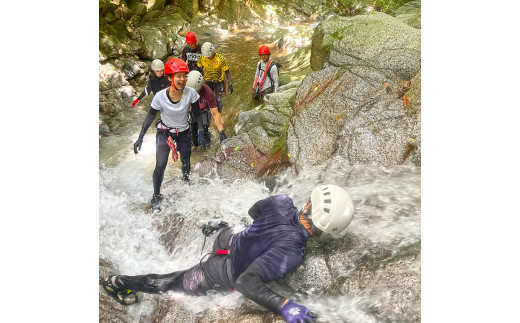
x=295 y=313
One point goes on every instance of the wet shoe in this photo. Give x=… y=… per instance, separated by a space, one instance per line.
x=122 y=295
x=155 y=203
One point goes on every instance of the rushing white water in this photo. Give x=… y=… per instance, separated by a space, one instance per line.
x=387 y=210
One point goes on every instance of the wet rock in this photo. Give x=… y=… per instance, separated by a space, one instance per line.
x=115 y=41
x=266 y=122
x=153 y=4
x=209 y=5
x=312 y=277
x=110 y=77
x=138 y=8
x=348 y=111
x=376 y=40
x=109 y=309
x=159 y=36
x=103 y=128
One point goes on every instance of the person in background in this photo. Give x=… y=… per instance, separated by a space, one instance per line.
x=174 y=104
x=208 y=106
x=215 y=67
x=157 y=81
x=272 y=247
x=265 y=82
x=191 y=53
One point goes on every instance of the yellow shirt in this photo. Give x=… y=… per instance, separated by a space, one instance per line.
x=213 y=68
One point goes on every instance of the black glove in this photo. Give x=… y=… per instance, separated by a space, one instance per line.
x=222 y=136
x=209 y=228
x=138 y=143
x=230 y=87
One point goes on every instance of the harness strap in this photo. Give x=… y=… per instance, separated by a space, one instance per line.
x=170 y=142
x=224 y=252
x=267 y=67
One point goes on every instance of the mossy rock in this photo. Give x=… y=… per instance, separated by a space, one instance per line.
x=115 y=41
x=151 y=15
x=376 y=40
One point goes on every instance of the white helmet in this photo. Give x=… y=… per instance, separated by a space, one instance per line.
x=332 y=209
x=157 y=65
x=207 y=49
x=195 y=80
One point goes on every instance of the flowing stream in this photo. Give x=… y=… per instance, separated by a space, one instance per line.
x=386 y=199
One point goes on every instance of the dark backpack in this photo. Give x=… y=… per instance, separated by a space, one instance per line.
x=278 y=67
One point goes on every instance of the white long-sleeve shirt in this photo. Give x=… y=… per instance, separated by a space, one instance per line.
x=260 y=74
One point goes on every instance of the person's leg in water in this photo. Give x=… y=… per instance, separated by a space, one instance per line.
x=206 y=120
x=183 y=141
x=200 y=127
x=162 y=151
x=151 y=283
x=194 y=133
x=219 y=89
x=198 y=280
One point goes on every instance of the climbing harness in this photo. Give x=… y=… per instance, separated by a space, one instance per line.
x=263 y=78
x=169 y=140
x=208 y=229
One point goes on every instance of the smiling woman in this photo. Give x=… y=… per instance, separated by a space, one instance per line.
x=173 y=131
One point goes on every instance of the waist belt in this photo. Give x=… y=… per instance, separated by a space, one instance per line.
x=229 y=265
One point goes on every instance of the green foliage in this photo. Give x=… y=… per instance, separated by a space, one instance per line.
x=353 y=7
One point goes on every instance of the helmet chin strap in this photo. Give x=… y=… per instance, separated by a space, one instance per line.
x=173 y=84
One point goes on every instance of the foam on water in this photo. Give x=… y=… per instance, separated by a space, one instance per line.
x=387 y=208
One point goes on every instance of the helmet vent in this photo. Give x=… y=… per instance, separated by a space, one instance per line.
x=323 y=189
x=327 y=201
x=326 y=210
x=326 y=193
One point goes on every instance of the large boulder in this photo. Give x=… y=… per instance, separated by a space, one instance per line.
x=355 y=104
x=258 y=149
x=349 y=113
x=116 y=41
x=375 y=40
x=158 y=37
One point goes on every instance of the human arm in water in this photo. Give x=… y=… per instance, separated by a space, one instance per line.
x=252 y=284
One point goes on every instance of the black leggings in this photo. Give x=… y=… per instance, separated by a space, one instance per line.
x=209 y=275
x=162 y=152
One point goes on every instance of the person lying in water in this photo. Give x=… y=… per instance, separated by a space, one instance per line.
x=272 y=247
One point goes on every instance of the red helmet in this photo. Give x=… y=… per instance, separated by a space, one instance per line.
x=264 y=50
x=191 y=38
x=175 y=65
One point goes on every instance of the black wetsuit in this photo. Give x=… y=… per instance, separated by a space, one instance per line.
x=155 y=85
x=269 y=249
